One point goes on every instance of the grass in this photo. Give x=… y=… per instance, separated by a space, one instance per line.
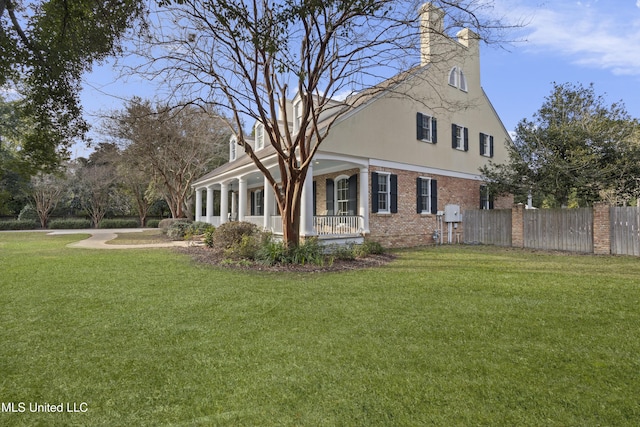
x=441 y=336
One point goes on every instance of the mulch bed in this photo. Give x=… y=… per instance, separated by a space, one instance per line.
x=207 y=256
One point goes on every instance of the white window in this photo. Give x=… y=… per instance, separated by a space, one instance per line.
x=342 y=196
x=458 y=79
x=427 y=130
x=259 y=136
x=257 y=202
x=425 y=195
x=486 y=145
x=459 y=137
x=233 y=146
x=383 y=192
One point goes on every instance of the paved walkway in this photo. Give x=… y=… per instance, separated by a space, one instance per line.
x=100 y=237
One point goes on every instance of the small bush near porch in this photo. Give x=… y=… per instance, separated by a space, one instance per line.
x=440 y=336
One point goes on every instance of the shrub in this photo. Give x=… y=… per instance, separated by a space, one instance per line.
x=368 y=248
x=230 y=233
x=343 y=252
x=246 y=248
x=166 y=223
x=271 y=252
x=197 y=228
x=309 y=251
x=178 y=229
x=208 y=236
x=18 y=225
x=118 y=223
x=69 y=223
x=153 y=223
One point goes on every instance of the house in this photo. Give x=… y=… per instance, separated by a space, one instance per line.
x=393 y=165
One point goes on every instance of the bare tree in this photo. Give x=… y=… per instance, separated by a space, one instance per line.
x=46 y=191
x=248 y=58
x=171 y=146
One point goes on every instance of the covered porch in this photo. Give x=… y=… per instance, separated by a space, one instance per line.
x=335 y=199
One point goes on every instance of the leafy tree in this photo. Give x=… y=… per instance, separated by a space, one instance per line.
x=46 y=191
x=45 y=47
x=172 y=147
x=576 y=147
x=248 y=58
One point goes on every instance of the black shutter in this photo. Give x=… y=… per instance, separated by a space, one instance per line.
x=434 y=131
x=466 y=139
x=315 y=210
x=490 y=201
x=482 y=193
x=352 y=205
x=393 y=181
x=490 y=146
x=481 y=144
x=434 y=196
x=419 y=130
x=454 y=140
x=374 y=192
x=419 y=195
x=253 y=203
x=329 y=194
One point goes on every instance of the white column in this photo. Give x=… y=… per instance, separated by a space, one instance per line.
x=210 y=204
x=242 y=198
x=267 y=200
x=363 y=200
x=224 y=202
x=234 y=205
x=199 y=204
x=306 y=206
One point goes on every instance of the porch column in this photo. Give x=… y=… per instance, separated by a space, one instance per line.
x=199 y=204
x=306 y=205
x=242 y=198
x=268 y=204
x=363 y=202
x=234 y=205
x=224 y=202
x=210 y=204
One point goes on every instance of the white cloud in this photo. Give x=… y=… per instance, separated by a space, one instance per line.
x=587 y=33
x=638 y=4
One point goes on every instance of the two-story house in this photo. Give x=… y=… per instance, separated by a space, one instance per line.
x=391 y=165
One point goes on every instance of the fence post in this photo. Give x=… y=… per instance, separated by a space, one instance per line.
x=517 y=226
x=601 y=229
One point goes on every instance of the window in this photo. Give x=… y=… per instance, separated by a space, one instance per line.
x=259 y=136
x=257 y=204
x=459 y=137
x=486 y=199
x=384 y=192
x=342 y=196
x=233 y=146
x=427 y=129
x=427 y=195
x=486 y=145
x=458 y=79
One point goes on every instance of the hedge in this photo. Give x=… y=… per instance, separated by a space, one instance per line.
x=17 y=224
x=119 y=223
x=71 y=223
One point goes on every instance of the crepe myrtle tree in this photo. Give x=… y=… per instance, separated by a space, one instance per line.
x=248 y=57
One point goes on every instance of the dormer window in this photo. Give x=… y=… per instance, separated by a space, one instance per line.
x=233 y=146
x=458 y=79
x=259 y=136
x=297 y=115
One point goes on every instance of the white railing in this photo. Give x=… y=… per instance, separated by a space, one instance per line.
x=338 y=224
x=257 y=220
x=328 y=225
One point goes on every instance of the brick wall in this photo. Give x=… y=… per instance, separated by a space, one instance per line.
x=601 y=229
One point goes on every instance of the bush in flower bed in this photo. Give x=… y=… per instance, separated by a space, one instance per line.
x=178 y=229
x=153 y=223
x=69 y=223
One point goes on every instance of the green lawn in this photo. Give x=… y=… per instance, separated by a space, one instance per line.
x=441 y=336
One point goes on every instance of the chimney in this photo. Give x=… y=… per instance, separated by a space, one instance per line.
x=431 y=32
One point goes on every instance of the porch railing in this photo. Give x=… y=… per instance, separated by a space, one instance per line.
x=328 y=225
x=338 y=224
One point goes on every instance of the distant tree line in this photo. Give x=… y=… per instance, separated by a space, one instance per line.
x=150 y=156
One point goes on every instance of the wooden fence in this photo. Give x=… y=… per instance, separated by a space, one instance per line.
x=487 y=226
x=558 y=229
x=625 y=230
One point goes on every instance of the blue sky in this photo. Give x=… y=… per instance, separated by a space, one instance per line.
x=564 y=41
